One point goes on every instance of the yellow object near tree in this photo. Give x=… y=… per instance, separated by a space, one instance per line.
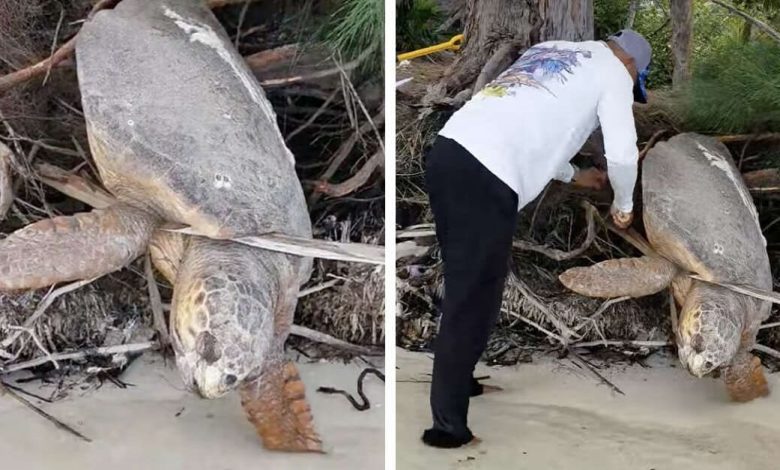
x=453 y=45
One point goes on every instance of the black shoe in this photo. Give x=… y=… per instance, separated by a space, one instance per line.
x=444 y=440
x=477 y=388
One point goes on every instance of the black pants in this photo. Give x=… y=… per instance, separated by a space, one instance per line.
x=475 y=215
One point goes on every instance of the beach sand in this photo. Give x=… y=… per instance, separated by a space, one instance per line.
x=554 y=415
x=155 y=424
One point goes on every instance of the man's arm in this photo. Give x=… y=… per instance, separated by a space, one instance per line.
x=616 y=116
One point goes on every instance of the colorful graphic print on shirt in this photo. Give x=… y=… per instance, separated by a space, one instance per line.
x=537 y=66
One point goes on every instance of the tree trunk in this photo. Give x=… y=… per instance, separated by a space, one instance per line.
x=682 y=29
x=508 y=27
x=633 y=6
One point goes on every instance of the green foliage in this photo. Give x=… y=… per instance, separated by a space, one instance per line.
x=735 y=88
x=713 y=26
x=358 y=26
x=416 y=24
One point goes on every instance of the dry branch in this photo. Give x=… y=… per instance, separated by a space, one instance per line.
x=346 y=148
x=323 y=338
x=727 y=139
x=559 y=255
x=763 y=181
x=6 y=389
x=318 y=74
x=102 y=351
x=653 y=139
x=356 y=181
x=65 y=51
x=43 y=67
x=158 y=315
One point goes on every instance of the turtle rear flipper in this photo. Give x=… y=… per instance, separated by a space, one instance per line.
x=81 y=246
x=745 y=379
x=632 y=277
x=276 y=405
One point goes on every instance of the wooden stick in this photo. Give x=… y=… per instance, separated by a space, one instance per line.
x=539 y=327
x=5 y=389
x=65 y=51
x=318 y=288
x=323 y=338
x=560 y=255
x=641 y=344
x=602 y=308
x=767 y=350
x=726 y=139
x=13 y=79
x=276 y=82
x=354 y=182
x=158 y=315
x=653 y=139
x=345 y=149
x=101 y=351
x=595 y=372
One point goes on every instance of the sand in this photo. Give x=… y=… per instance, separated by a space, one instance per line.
x=552 y=415
x=137 y=427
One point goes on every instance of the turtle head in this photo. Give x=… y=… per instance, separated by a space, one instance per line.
x=222 y=324
x=709 y=330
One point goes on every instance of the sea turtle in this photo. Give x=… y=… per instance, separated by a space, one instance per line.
x=699 y=218
x=181 y=132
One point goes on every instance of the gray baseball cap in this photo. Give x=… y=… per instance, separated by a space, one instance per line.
x=637 y=47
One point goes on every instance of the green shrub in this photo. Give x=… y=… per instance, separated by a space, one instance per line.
x=358 y=26
x=734 y=88
x=416 y=25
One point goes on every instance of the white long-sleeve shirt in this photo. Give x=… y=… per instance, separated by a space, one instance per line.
x=529 y=122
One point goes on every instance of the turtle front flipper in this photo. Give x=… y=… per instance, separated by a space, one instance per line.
x=745 y=379
x=632 y=277
x=276 y=405
x=82 y=246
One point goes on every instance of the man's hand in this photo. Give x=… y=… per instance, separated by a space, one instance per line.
x=621 y=219
x=591 y=178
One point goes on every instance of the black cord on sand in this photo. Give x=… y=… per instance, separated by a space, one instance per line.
x=358 y=406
